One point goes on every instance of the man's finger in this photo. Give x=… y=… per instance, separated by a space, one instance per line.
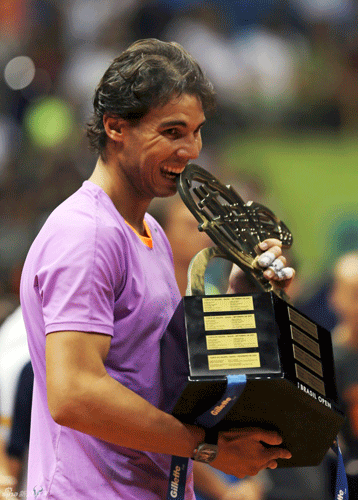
x=278 y=264
x=267 y=258
x=271 y=465
x=284 y=274
x=270 y=242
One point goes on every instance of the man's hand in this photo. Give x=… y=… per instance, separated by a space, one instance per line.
x=244 y=452
x=272 y=262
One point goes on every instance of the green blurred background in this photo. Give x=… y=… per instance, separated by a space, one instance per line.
x=311 y=183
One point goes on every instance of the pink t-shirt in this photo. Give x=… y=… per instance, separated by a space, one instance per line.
x=87 y=270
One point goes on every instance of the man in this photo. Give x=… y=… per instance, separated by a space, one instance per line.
x=98 y=291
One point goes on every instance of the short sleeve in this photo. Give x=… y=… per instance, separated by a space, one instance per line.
x=79 y=276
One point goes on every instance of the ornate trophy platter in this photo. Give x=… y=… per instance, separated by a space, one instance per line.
x=234 y=226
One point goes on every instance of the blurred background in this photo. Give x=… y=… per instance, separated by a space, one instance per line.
x=284 y=134
x=285 y=72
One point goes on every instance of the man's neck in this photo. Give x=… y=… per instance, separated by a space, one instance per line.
x=131 y=207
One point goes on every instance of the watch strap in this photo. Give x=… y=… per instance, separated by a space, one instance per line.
x=211 y=435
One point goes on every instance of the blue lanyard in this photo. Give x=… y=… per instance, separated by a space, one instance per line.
x=177 y=478
x=341 y=492
x=234 y=388
x=179 y=466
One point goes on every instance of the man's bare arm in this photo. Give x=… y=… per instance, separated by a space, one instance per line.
x=83 y=396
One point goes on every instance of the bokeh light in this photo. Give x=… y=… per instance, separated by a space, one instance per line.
x=19 y=72
x=49 y=122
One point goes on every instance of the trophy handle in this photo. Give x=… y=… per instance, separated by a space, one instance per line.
x=199 y=263
x=197 y=268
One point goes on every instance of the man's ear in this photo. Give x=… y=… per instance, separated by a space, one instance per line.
x=113 y=127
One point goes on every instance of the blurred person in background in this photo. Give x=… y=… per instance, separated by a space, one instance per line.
x=344 y=302
x=14 y=355
x=178 y=223
x=100 y=269
x=15 y=449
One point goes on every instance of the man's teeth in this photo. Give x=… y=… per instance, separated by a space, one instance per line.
x=172 y=171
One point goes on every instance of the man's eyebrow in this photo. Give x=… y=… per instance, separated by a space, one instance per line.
x=178 y=123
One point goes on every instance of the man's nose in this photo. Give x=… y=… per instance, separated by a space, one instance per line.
x=190 y=150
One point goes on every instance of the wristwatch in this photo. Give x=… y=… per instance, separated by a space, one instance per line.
x=207 y=451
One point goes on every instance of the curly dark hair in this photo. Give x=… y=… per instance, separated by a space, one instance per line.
x=147 y=74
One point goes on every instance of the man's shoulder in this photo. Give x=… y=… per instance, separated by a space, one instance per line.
x=87 y=212
x=78 y=228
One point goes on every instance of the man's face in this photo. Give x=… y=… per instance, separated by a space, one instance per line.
x=158 y=148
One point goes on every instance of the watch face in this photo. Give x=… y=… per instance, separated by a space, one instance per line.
x=206 y=453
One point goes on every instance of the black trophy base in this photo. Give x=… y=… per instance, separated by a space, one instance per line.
x=288 y=362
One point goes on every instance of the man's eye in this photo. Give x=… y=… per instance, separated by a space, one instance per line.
x=173 y=133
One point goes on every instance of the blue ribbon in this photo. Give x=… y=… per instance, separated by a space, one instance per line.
x=234 y=388
x=341 y=491
x=179 y=466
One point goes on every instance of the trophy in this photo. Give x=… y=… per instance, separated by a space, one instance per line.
x=286 y=358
